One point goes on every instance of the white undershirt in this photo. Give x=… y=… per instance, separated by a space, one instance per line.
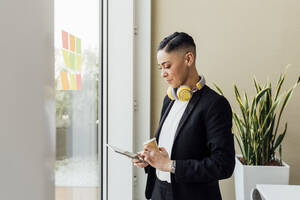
x=167 y=133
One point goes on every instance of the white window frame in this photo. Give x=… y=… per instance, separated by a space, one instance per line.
x=129 y=86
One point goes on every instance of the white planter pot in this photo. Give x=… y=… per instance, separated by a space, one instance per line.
x=246 y=177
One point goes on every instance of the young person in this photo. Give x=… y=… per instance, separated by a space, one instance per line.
x=196 y=147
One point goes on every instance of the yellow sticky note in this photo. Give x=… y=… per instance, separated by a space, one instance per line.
x=72 y=42
x=78 y=62
x=73 y=81
x=66 y=57
x=64 y=81
x=72 y=60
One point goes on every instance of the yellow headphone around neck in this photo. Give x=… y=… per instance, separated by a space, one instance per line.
x=185 y=93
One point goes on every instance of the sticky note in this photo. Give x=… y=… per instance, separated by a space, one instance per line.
x=66 y=57
x=78 y=62
x=72 y=42
x=64 y=81
x=73 y=81
x=78 y=81
x=78 y=45
x=72 y=60
x=65 y=41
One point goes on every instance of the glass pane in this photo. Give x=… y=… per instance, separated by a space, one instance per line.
x=76 y=77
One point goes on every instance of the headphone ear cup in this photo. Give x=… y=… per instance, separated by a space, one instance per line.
x=171 y=93
x=184 y=93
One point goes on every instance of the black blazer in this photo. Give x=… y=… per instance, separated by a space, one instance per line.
x=203 y=147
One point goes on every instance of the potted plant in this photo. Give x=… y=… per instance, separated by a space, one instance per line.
x=258 y=136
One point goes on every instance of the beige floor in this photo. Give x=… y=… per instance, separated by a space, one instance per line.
x=76 y=193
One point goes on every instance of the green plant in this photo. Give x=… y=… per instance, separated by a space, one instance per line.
x=257 y=127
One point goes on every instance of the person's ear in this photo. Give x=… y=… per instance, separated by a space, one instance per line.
x=189 y=58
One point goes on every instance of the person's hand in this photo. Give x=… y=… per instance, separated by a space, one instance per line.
x=139 y=163
x=157 y=158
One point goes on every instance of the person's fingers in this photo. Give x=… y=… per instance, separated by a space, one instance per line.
x=163 y=152
x=141 y=156
x=162 y=149
x=148 y=158
x=140 y=166
x=135 y=160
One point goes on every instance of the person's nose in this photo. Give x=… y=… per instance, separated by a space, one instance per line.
x=164 y=73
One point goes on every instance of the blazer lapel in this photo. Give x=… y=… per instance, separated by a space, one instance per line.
x=163 y=119
x=188 y=111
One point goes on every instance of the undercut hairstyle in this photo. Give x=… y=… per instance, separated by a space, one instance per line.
x=177 y=41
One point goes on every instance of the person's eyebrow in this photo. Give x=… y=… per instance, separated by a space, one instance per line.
x=163 y=63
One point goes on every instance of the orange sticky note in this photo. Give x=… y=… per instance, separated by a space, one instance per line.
x=65 y=42
x=72 y=42
x=64 y=81
x=66 y=57
x=78 y=81
x=73 y=81
x=78 y=62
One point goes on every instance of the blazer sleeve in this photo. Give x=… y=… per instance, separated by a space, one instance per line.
x=221 y=160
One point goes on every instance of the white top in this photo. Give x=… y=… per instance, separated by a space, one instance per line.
x=167 y=133
x=279 y=192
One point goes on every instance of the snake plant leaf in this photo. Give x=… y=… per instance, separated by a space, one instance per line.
x=268 y=130
x=238 y=124
x=263 y=108
x=236 y=91
x=246 y=102
x=285 y=101
x=279 y=84
x=255 y=122
x=239 y=100
x=261 y=94
x=253 y=106
x=257 y=86
x=271 y=111
x=280 y=138
x=219 y=89
x=241 y=146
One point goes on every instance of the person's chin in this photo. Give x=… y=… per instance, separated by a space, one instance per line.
x=173 y=85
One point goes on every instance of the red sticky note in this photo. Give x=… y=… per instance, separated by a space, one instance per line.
x=78 y=81
x=65 y=40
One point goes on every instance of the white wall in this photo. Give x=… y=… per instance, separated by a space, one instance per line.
x=27 y=106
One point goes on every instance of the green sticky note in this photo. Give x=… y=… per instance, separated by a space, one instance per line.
x=78 y=45
x=73 y=81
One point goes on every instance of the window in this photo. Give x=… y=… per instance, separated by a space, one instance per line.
x=77 y=173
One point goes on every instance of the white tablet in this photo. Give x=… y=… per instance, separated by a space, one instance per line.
x=125 y=153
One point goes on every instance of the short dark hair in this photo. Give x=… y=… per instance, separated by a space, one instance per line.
x=176 y=41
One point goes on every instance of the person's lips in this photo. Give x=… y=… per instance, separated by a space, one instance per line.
x=168 y=81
